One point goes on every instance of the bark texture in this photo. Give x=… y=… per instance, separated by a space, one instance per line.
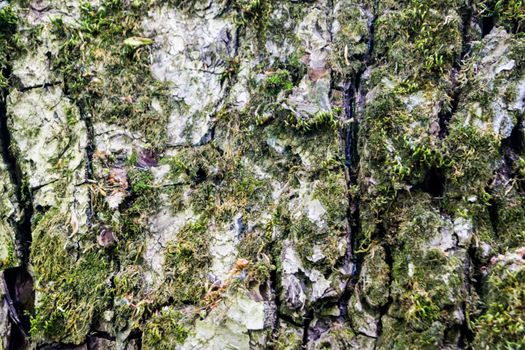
x=262 y=174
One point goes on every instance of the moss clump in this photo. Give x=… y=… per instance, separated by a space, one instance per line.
x=340 y=336
x=8 y=256
x=472 y=155
x=502 y=324
x=268 y=92
x=375 y=277
x=130 y=304
x=187 y=263
x=72 y=288
x=9 y=41
x=165 y=329
x=278 y=81
x=254 y=14
x=422 y=39
x=425 y=281
x=509 y=13
x=221 y=181
x=130 y=225
x=255 y=248
x=351 y=43
x=397 y=154
x=252 y=9
x=194 y=166
x=318 y=121
x=333 y=195
x=508 y=216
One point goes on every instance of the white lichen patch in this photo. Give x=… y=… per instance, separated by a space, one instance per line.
x=191 y=54
x=228 y=325
x=50 y=142
x=163 y=229
x=311 y=96
x=223 y=249
x=115 y=140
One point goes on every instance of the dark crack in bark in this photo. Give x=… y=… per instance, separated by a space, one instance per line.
x=353 y=92
x=18 y=283
x=383 y=310
x=448 y=111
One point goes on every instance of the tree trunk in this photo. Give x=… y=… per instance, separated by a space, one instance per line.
x=262 y=174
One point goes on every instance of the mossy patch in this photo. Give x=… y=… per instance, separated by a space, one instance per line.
x=425 y=281
x=509 y=13
x=72 y=287
x=187 y=263
x=108 y=72
x=422 y=39
x=8 y=256
x=165 y=329
x=9 y=41
x=501 y=326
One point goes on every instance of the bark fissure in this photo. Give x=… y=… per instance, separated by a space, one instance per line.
x=383 y=310
x=18 y=283
x=353 y=92
x=39 y=86
x=465 y=333
x=308 y=318
x=448 y=111
x=89 y=152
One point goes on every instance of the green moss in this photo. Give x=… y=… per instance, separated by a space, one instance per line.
x=129 y=224
x=278 y=81
x=428 y=339
x=425 y=281
x=397 y=154
x=130 y=304
x=502 y=324
x=412 y=38
x=8 y=256
x=134 y=214
x=509 y=13
x=318 y=121
x=254 y=248
x=72 y=288
x=332 y=193
x=195 y=165
x=9 y=41
x=252 y=9
x=222 y=183
x=351 y=42
x=255 y=15
x=519 y=169
x=339 y=337
x=187 y=262
x=375 y=277
x=165 y=329
x=142 y=183
x=472 y=154
x=508 y=217
x=287 y=338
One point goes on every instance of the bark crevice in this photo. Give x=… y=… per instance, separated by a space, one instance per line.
x=17 y=281
x=353 y=93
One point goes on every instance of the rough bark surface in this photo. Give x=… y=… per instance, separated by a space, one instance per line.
x=262 y=174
